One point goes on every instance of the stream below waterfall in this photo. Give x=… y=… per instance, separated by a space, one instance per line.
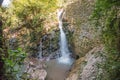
x=51 y=68
x=58 y=69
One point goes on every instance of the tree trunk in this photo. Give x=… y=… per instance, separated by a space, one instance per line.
x=1 y=1
x=1 y=53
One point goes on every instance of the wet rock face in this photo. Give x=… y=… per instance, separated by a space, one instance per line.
x=48 y=45
x=13 y=43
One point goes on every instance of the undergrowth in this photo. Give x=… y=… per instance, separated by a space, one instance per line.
x=106 y=16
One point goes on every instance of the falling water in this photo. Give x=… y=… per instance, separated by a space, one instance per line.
x=58 y=69
x=40 y=51
x=63 y=41
x=6 y=3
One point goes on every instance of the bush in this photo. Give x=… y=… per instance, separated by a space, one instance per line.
x=14 y=64
x=106 y=17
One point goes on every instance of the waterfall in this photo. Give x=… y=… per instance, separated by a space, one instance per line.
x=63 y=41
x=40 y=51
x=6 y=3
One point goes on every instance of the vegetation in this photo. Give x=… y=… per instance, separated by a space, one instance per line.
x=14 y=64
x=29 y=14
x=107 y=18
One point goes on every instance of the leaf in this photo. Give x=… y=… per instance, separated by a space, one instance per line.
x=9 y=62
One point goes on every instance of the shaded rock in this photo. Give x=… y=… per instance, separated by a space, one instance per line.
x=75 y=56
x=55 y=55
x=48 y=44
x=13 y=43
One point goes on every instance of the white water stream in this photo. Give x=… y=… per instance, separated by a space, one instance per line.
x=63 y=42
x=58 y=68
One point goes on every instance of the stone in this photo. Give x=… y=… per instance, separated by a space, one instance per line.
x=35 y=68
x=39 y=74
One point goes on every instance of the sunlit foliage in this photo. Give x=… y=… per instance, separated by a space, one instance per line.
x=107 y=18
x=28 y=12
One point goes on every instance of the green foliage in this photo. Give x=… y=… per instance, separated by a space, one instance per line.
x=28 y=13
x=106 y=17
x=14 y=63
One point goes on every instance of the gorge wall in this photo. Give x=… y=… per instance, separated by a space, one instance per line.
x=84 y=36
x=85 y=41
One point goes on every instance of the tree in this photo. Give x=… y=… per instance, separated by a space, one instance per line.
x=1 y=2
x=1 y=52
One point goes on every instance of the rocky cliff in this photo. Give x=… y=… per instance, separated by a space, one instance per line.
x=84 y=36
x=85 y=41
